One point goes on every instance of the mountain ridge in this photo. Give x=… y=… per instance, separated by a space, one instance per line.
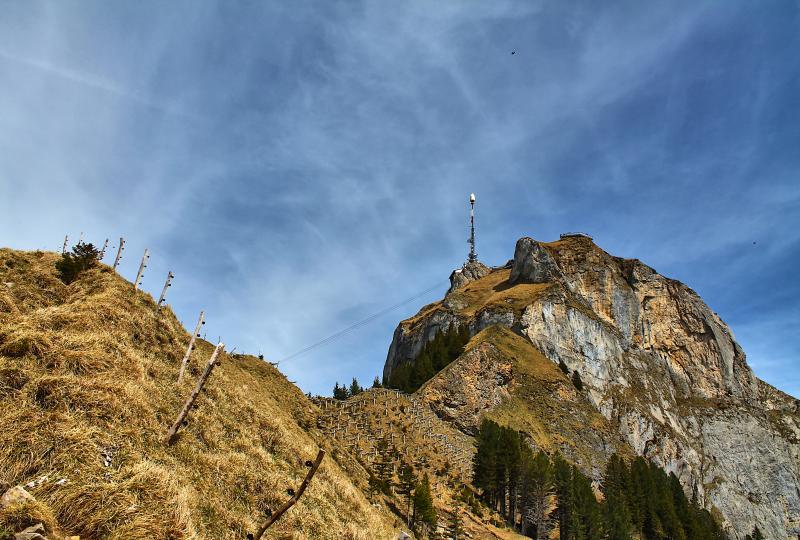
x=88 y=390
x=655 y=362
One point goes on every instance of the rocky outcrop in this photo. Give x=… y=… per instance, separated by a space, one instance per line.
x=469 y=272
x=533 y=263
x=466 y=389
x=655 y=361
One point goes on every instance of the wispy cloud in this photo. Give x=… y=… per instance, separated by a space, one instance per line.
x=302 y=166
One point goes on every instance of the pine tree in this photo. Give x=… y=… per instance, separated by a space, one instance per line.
x=616 y=512
x=355 y=388
x=424 y=512
x=565 y=497
x=537 y=492
x=340 y=392
x=82 y=257
x=376 y=383
x=407 y=483
x=589 y=516
x=485 y=461
x=383 y=467
x=435 y=355
x=455 y=530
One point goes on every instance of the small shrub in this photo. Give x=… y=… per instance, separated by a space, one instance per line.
x=83 y=257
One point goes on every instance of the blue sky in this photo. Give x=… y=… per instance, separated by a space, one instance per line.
x=302 y=165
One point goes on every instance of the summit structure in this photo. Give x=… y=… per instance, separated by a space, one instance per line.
x=473 y=257
x=472 y=269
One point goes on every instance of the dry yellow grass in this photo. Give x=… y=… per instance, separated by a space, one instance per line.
x=88 y=370
x=491 y=291
x=544 y=404
x=416 y=442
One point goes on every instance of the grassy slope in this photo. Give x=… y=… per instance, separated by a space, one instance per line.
x=545 y=404
x=490 y=292
x=90 y=368
x=415 y=443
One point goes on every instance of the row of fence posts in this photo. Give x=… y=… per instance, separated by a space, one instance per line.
x=139 y=274
x=181 y=419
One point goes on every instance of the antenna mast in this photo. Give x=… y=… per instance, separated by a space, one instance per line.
x=472 y=256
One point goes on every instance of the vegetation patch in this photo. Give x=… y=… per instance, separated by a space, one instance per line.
x=72 y=264
x=437 y=354
x=539 y=494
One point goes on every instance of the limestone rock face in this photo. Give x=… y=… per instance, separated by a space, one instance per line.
x=656 y=362
x=533 y=263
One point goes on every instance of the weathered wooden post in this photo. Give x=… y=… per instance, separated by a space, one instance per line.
x=273 y=517
x=167 y=284
x=173 y=431
x=142 y=266
x=64 y=247
x=103 y=251
x=119 y=252
x=195 y=335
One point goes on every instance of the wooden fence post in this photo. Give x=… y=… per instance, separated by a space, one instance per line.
x=167 y=284
x=200 y=322
x=103 y=251
x=272 y=518
x=173 y=431
x=142 y=266
x=119 y=252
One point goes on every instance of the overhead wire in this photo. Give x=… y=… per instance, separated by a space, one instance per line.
x=360 y=323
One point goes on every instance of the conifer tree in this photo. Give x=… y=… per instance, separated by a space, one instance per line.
x=589 y=521
x=340 y=391
x=537 y=492
x=565 y=496
x=455 y=530
x=376 y=383
x=424 y=512
x=383 y=467
x=407 y=483
x=82 y=257
x=355 y=388
x=435 y=355
x=616 y=512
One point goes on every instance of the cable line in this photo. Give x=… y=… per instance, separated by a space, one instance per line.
x=361 y=323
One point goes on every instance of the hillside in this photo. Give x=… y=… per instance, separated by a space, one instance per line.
x=662 y=377
x=87 y=392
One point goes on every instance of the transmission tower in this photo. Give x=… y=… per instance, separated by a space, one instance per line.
x=472 y=255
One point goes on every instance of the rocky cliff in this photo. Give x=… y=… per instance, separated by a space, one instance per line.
x=663 y=377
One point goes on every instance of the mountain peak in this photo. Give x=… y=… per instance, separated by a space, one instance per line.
x=661 y=371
